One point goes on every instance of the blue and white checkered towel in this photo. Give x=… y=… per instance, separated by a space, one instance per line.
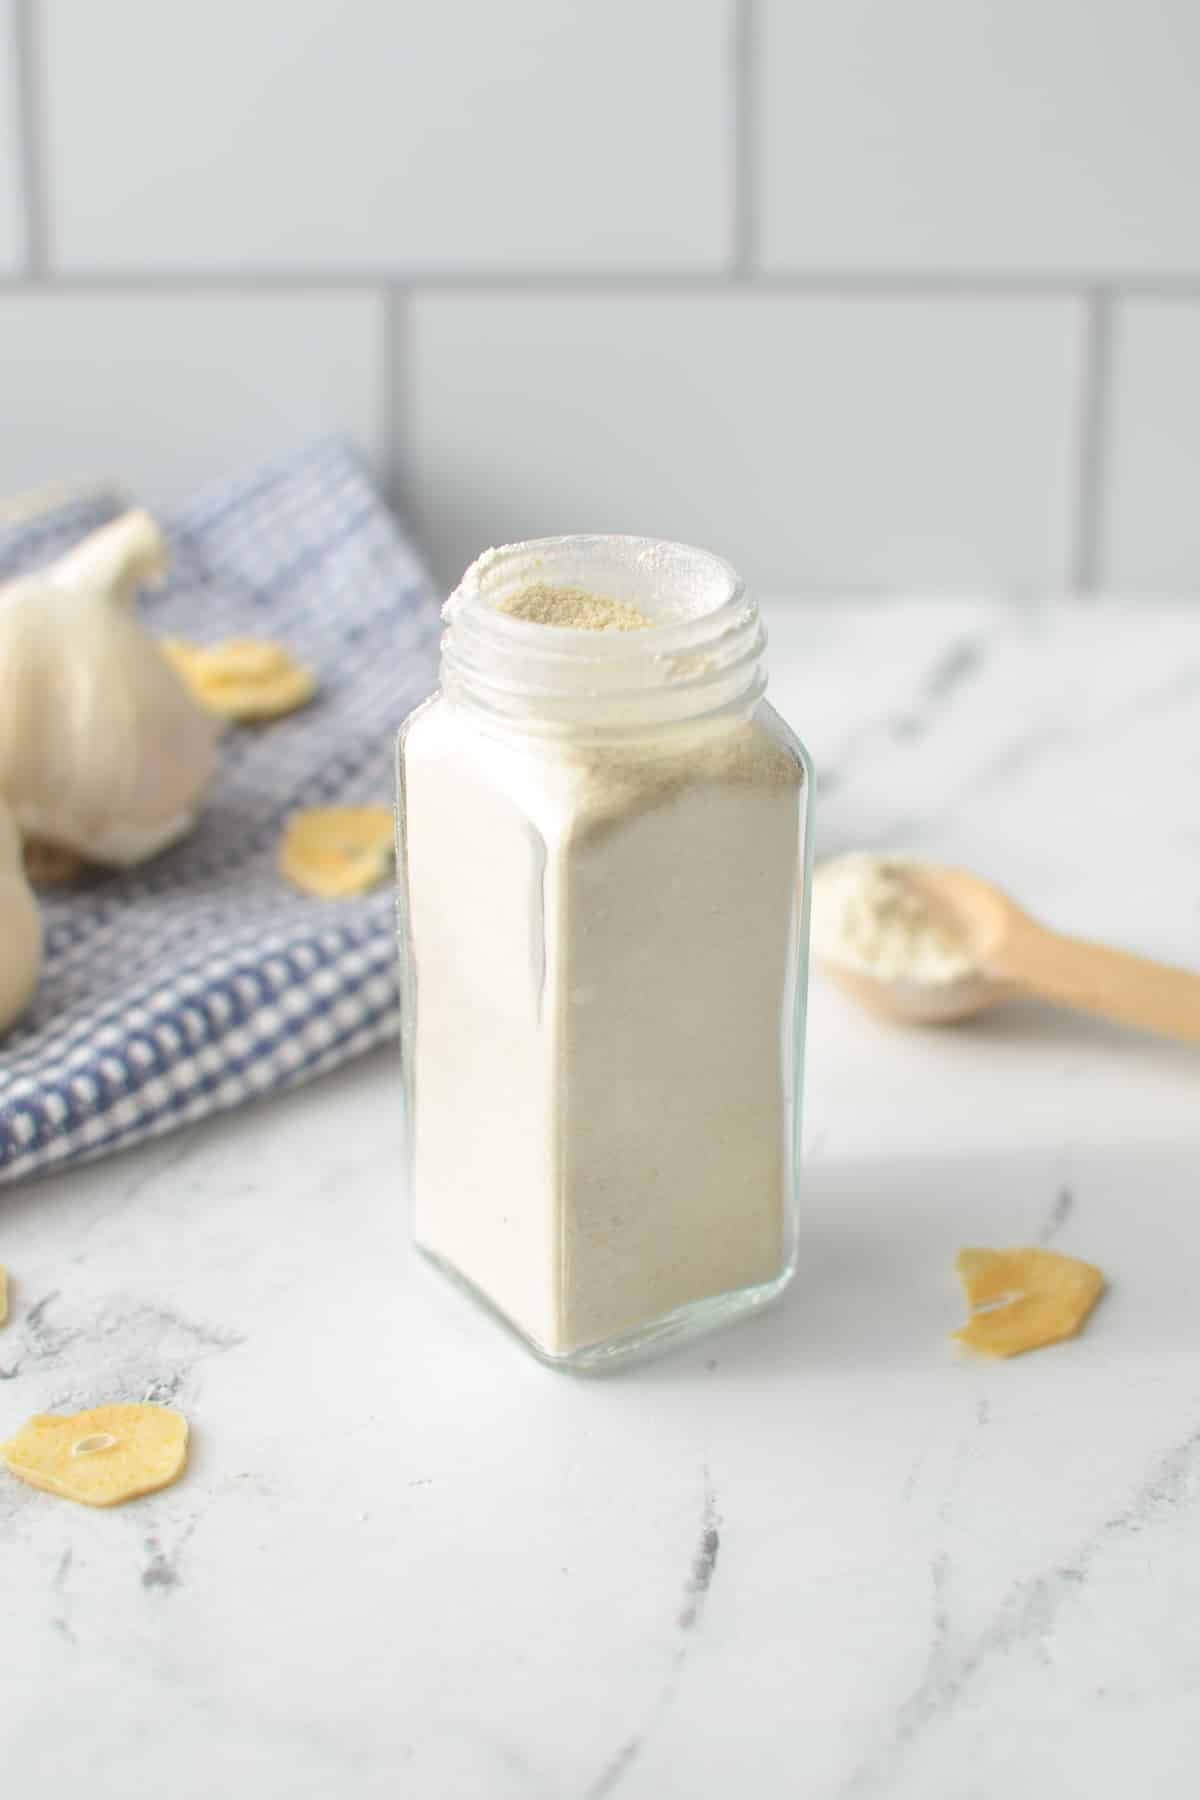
x=201 y=979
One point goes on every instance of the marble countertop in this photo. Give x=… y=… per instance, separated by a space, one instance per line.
x=819 y=1555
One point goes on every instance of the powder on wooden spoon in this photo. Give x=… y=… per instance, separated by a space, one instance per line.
x=869 y=915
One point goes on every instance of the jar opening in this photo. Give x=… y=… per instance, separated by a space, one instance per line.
x=701 y=655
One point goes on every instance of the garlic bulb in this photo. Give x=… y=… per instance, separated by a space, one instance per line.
x=20 y=927
x=102 y=748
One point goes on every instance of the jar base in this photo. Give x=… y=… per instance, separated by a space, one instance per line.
x=696 y=1319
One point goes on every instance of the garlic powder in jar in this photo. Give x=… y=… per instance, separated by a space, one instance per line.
x=602 y=829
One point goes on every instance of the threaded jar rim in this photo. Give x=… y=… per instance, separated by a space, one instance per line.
x=702 y=655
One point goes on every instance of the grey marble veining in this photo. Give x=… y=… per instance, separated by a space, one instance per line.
x=821 y=1556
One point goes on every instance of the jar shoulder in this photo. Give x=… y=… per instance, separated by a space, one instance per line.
x=762 y=742
x=791 y=749
x=561 y=785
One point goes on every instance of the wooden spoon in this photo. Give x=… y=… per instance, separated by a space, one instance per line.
x=1009 y=954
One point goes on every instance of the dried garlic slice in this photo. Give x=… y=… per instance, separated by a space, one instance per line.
x=101 y=1457
x=336 y=851
x=51 y=865
x=1024 y=1299
x=3 y=1293
x=244 y=678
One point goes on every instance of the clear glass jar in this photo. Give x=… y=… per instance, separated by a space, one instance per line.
x=603 y=873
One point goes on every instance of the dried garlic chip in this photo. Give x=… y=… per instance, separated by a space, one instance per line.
x=335 y=851
x=101 y=1457
x=50 y=865
x=1024 y=1299
x=3 y=1293
x=244 y=678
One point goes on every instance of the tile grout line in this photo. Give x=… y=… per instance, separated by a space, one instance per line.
x=395 y=308
x=1095 y=421
x=398 y=414
x=744 y=146
x=880 y=284
x=30 y=142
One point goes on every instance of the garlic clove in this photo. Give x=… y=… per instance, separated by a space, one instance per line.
x=103 y=750
x=20 y=927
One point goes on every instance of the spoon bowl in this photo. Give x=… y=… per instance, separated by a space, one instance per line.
x=906 y=1002
x=1005 y=953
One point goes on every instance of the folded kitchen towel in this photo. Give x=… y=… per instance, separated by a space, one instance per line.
x=202 y=979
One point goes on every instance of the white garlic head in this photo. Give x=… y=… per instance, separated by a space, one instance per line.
x=20 y=927
x=102 y=748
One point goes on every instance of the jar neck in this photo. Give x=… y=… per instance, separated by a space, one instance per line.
x=702 y=655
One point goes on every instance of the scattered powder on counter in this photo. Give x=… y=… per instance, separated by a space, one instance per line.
x=573 y=608
x=869 y=914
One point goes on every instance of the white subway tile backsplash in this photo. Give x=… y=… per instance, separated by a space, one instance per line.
x=1151 y=536
x=877 y=443
x=981 y=135
x=163 y=392
x=628 y=238
x=319 y=135
x=12 y=229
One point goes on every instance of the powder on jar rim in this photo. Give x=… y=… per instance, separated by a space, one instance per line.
x=572 y=608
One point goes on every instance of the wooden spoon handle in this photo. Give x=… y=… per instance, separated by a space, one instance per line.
x=1151 y=996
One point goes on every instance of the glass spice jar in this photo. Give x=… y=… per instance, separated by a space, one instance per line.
x=603 y=873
